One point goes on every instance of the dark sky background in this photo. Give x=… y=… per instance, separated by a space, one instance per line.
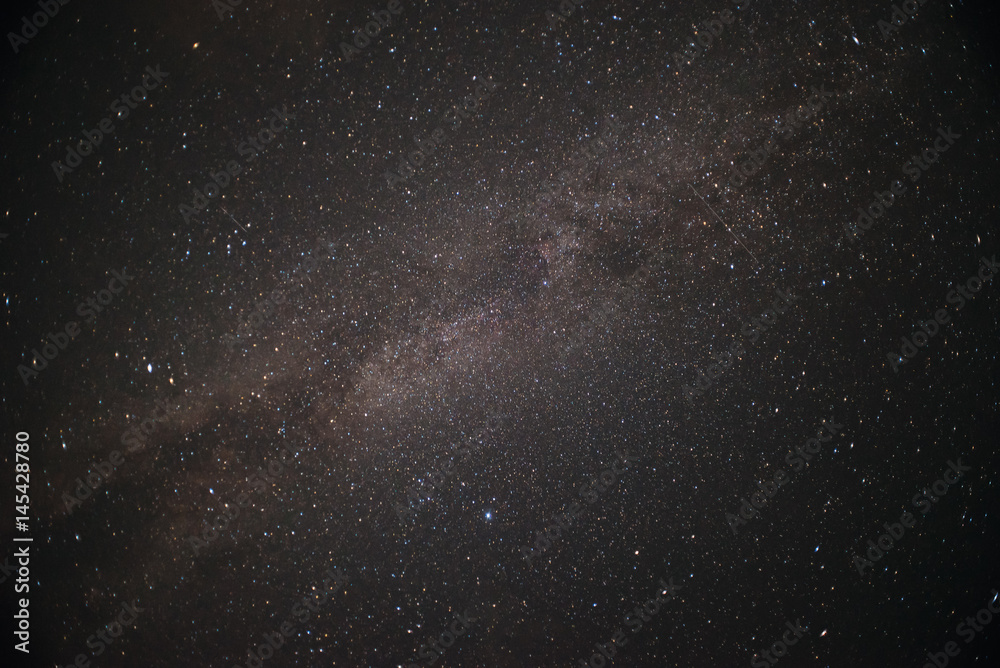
x=554 y=331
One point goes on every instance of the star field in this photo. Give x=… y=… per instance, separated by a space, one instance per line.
x=511 y=345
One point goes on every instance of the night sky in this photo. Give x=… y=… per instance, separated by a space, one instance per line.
x=501 y=335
